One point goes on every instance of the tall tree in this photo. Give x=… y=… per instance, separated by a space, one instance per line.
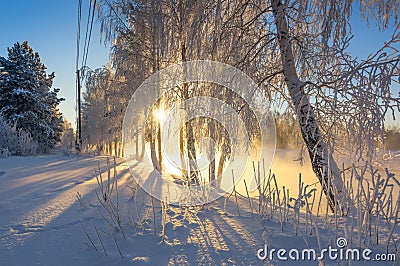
x=312 y=39
x=27 y=99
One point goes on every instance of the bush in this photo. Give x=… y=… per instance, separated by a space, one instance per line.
x=15 y=142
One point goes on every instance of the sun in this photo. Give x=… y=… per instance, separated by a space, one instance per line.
x=161 y=115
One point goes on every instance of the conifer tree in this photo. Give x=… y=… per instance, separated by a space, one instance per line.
x=27 y=99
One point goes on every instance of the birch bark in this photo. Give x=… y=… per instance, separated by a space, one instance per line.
x=323 y=164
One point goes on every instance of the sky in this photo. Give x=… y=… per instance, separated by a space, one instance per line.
x=50 y=27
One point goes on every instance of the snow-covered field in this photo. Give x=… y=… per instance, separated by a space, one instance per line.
x=40 y=221
x=43 y=222
x=39 y=216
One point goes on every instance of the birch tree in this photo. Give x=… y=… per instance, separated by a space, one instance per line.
x=316 y=64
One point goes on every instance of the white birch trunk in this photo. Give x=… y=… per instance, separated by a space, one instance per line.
x=322 y=162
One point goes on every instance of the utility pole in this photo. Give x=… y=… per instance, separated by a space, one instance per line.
x=78 y=142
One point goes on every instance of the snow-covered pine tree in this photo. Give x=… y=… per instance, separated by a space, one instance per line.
x=27 y=100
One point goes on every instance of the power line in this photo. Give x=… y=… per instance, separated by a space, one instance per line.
x=78 y=36
x=86 y=33
x=90 y=32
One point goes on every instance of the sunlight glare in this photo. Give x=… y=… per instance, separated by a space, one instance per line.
x=161 y=115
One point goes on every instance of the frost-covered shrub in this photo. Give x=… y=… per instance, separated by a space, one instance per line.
x=7 y=138
x=4 y=153
x=13 y=142
x=25 y=145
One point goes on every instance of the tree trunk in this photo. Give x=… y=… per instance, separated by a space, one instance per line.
x=143 y=143
x=159 y=145
x=120 y=150
x=211 y=169
x=182 y=152
x=153 y=153
x=191 y=148
x=322 y=162
x=221 y=163
x=211 y=151
x=137 y=147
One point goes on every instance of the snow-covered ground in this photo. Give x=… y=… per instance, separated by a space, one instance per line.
x=39 y=216
x=42 y=222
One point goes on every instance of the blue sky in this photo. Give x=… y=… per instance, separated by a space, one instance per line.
x=50 y=26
